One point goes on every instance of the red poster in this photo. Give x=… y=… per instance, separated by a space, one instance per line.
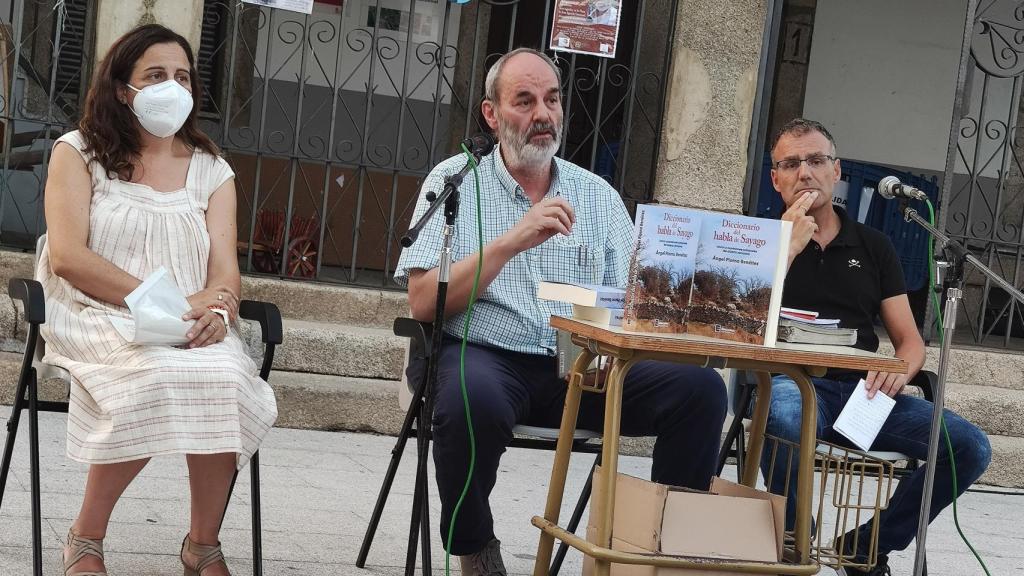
x=586 y=26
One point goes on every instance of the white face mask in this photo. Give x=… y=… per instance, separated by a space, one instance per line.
x=162 y=108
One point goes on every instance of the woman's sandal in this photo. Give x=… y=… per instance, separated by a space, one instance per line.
x=78 y=548
x=208 y=556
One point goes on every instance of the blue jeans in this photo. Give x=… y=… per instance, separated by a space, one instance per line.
x=906 y=431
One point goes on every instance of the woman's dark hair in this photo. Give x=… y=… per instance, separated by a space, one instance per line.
x=108 y=126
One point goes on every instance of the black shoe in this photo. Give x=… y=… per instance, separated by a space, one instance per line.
x=881 y=569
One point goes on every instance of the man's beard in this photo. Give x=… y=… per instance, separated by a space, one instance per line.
x=518 y=149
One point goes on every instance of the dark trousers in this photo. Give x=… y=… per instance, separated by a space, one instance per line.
x=684 y=406
x=906 y=431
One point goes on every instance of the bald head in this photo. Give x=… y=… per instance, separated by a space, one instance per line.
x=524 y=108
x=519 y=62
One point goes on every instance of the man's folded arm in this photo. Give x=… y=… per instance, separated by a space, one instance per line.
x=423 y=283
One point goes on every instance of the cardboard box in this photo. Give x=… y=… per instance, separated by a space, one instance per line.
x=731 y=521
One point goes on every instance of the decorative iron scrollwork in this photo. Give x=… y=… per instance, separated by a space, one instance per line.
x=998 y=42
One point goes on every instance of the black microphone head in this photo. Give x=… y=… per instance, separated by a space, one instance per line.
x=479 y=145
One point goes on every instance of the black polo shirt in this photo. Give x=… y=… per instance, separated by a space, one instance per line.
x=848 y=280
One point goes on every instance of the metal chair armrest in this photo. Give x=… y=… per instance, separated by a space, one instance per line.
x=31 y=295
x=419 y=334
x=268 y=316
x=927 y=381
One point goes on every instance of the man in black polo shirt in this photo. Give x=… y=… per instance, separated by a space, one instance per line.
x=843 y=269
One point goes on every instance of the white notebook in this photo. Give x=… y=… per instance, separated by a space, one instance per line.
x=861 y=419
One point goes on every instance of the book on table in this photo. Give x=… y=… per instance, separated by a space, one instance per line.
x=582 y=294
x=804 y=333
x=598 y=314
x=591 y=302
x=806 y=317
x=797 y=314
x=706 y=273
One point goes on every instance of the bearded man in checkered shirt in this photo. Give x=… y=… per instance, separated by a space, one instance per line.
x=543 y=219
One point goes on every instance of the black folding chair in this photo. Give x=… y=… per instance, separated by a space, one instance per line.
x=26 y=397
x=534 y=437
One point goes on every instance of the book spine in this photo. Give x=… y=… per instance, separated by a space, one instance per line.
x=629 y=305
x=781 y=267
x=611 y=300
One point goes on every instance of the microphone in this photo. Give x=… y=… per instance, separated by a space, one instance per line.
x=890 y=187
x=479 y=145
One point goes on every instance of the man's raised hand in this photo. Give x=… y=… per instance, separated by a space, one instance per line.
x=804 y=226
x=546 y=218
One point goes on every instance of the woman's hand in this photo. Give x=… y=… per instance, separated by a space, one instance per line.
x=209 y=327
x=215 y=296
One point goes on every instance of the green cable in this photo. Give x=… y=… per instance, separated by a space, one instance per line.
x=945 y=431
x=462 y=364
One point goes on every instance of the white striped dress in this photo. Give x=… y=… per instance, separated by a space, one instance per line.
x=131 y=401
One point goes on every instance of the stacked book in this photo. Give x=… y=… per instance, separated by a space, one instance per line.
x=591 y=302
x=805 y=327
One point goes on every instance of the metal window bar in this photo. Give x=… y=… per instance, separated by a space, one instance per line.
x=406 y=84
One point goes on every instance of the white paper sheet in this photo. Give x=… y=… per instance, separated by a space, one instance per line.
x=157 y=306
x=861 y=419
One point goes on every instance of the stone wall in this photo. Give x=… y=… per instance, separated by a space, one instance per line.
x=710 y=103
x=116 y=17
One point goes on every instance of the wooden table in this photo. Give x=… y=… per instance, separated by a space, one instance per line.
x=800 y=362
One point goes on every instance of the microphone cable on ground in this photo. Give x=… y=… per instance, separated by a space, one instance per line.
x=945 y=432
x=462 y=363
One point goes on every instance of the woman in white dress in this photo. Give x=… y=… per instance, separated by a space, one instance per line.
x=139 y=187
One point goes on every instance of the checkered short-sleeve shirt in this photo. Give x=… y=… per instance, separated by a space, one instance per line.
x=508 y=314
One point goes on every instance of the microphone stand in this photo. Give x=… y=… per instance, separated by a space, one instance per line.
x=953 y=283
x=449 y=198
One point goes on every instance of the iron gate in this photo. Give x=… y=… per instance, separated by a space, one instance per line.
x=983 y=187
x=41 y=79
x=332 y=120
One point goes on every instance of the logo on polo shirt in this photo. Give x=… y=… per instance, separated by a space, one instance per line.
x=854 y=263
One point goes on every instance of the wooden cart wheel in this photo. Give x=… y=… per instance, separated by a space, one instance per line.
x=264 y=260
x=301 y=261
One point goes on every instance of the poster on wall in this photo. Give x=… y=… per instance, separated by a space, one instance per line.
x=586 y=26
x=303 y=6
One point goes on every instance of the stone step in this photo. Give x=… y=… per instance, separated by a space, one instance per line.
x=329 y=319
x=316 y=301
x=340 y=350
x=998 y=411
x=971 y=366
x=1007 y=467
x=306 y=401
x=334 y=403
x=314 y=347
x=324 y=302
x=372 y=352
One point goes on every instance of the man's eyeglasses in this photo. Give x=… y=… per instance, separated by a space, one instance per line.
x=816 y=162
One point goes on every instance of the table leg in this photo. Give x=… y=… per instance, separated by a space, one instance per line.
x=609 y=460
x=563 y=450
x=757 y=428
x=805 y=468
